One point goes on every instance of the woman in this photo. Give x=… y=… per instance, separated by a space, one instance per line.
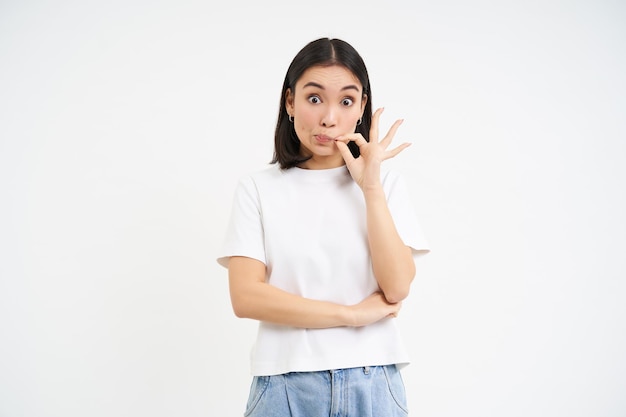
x=321 y=247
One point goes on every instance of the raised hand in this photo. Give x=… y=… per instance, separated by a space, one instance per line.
x=365 y=170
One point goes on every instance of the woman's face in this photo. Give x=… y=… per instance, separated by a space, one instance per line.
x=327 y=102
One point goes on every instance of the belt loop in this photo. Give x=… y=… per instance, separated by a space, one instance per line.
x=366 y=370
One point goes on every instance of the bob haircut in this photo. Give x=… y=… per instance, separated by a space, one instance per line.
x=324 y=52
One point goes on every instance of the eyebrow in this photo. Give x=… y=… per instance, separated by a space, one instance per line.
x=321 y=87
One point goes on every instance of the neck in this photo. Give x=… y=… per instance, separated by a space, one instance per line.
x=323 y=162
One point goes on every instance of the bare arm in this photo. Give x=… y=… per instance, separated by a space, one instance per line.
x=254 y=298
x=392 y=260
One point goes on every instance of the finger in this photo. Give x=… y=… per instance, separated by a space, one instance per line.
x=396 y=311
x=390 y=154
x=356 y=137
x=392 y=132
x=344 y=151
x=374 y=124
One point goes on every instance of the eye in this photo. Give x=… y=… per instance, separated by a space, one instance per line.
x=347 y=102
x=314 y=100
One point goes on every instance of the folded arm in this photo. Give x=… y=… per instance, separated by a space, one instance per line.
x=252 y=297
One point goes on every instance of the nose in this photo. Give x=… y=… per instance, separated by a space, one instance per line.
x=329 y=118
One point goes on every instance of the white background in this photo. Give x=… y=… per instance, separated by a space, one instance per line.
x=124 y=126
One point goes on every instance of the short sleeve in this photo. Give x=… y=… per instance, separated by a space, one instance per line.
x=404 y=214
x=244 y=235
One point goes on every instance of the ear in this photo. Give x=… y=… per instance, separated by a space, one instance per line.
x=363 y=103
x=289 y=101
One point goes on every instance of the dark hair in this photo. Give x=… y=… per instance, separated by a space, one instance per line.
x=321 y=52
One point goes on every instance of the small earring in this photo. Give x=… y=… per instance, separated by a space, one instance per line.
x=359 y=122
x=291 y=118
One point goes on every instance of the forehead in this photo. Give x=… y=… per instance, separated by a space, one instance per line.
x=334 y=76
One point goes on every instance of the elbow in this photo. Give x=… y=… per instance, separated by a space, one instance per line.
x=238 y=311
x=396 y=295
x=395 y=283
x=399 y=290
x=241 y=313
x=240 y=308
x=245 y=301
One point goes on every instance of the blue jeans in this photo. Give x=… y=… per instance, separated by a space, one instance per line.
x=373 y=391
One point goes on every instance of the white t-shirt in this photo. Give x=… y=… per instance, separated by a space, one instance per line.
x=309 y=228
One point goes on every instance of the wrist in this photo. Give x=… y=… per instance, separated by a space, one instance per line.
x=346 y=316
x=374 y=190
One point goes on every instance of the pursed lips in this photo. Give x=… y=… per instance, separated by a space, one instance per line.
x=324 y=138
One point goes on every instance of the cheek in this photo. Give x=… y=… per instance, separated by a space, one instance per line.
x=302 y=126
x=305 y=119
x=351 y=120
